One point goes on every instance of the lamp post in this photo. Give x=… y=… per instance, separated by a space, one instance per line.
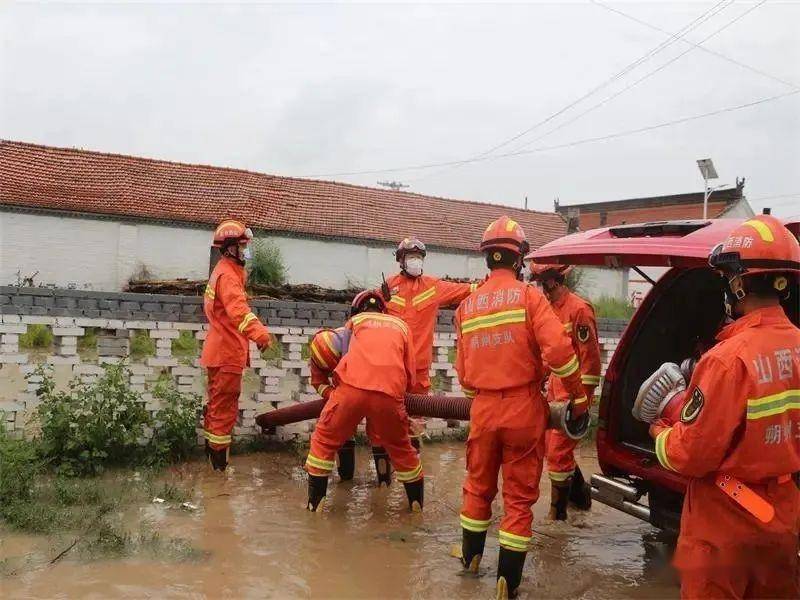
x=708 y=171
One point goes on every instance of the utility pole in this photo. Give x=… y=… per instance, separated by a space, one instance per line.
x=393 y=185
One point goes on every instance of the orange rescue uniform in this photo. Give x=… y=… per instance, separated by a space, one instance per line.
x=739 y=439
x=577 y=315
x=372 y=379
x=417 y=301
x=226 y=351
x=507 y=333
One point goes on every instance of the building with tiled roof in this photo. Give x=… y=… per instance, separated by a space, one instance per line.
x=726 y=201
x=92 y=219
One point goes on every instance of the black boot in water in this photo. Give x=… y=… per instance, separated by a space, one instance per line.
x=217 y=457
x=317 y=490
x=347 y=460
x=580 y=492
x=559 y=498
x=472 y=544
x=382 y=465
x=416 y=494
x=509 y=572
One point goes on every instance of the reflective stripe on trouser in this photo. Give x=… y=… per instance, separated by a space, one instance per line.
x=519 y=453
x=560 y=453
x=474 y=524
x=222 y=409
x=386 y=419
x=513 y=541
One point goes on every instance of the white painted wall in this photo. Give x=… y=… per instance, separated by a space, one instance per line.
x=599 y=281
x=103 y=254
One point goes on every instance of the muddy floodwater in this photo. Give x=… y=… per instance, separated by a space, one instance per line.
x=260 y=543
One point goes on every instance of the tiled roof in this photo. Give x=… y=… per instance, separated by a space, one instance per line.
x=65 y=179
x=655 y=208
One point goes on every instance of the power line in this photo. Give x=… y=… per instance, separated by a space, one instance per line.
x=696 y=22
x=560 y=146
x=644 y=77
x=786 y=198
x=698 y=46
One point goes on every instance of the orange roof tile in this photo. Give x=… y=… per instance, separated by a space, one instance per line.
x=65 y=179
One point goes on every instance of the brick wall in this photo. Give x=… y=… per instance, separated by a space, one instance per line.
x=118 y=317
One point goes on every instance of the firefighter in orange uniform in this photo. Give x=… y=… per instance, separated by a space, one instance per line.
x=735 y=430
x=509 y=339
x=577 y=315
x=416 y=298
x=226 y=351
x=325 y=351
x=372 y=378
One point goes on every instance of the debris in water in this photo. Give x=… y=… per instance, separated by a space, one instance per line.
x=157 y=500
x=188 y=506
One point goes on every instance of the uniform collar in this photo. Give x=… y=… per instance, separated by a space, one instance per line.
x=562 y=298
x=503 y=275
x=234 y=264
x=767 y=316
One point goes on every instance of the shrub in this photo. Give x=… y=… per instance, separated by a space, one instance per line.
x=273 y=353
x=92 y=426
x=186 y=345
x=142 y=345
x=174 y=436
x=266 y=265
x=607 y=307
x=19 y=464
x=37 y=336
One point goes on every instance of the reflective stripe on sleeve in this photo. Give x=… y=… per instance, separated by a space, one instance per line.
x=246 y=321
x=661 y=449
x=568 y=369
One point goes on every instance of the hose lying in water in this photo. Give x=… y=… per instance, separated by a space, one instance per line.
x=417 y=405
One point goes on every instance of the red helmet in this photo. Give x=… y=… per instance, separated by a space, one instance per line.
x=231 y=231
x=367 y=299
x=761 y=245
x=407 y=246
x=504 y=233
x=539 y=272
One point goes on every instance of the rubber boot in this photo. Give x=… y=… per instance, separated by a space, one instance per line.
x=416 y=494
x=559 y=498
x=472 y=544
x=347 y=460
x=218 y=457
x=580 y=492
x=509 y=572
x=382 y=465
x=317 y=490
x=415 y=442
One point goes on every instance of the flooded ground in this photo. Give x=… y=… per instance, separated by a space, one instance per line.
x=260 y=543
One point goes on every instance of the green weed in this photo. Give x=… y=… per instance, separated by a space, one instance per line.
x=142 y=345
x=186 y=345
x=88 y=341
x=37 y=336
x=607 y=307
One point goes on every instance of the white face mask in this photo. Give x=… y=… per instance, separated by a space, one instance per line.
x=414 y=266
x=246 y=254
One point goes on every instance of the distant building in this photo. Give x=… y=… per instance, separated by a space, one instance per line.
x=728 y=202
x=89 y=219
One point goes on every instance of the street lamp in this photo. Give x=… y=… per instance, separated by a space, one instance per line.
x=706 y=167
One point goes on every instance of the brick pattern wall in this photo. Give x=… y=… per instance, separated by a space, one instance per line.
x=118 y=317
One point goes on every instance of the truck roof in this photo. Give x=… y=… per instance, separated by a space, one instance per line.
x=659 y=243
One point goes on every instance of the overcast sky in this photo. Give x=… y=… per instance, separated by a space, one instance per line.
x=311 y=90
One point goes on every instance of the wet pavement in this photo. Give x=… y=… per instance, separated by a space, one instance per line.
x=260 y=543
